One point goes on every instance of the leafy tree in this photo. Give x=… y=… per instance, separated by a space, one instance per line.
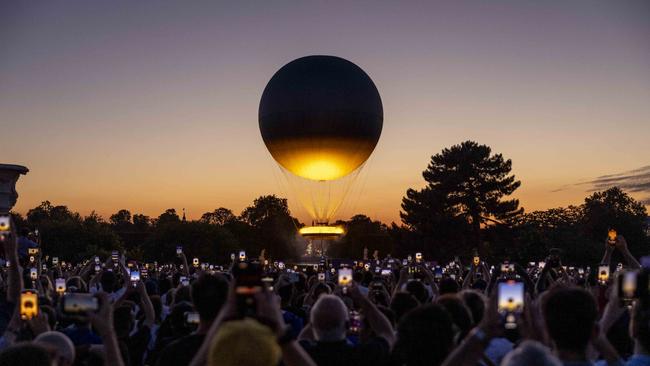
x=615 y=209
x=121 y=219
x=141 y=223
x=465 y=191
x=273 y=226
x=361 y=232
x=169 y=216
x=220 y=216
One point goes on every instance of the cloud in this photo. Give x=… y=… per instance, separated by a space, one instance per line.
x=636 y=181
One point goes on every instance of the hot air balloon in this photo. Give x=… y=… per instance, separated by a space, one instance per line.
x=321 y=118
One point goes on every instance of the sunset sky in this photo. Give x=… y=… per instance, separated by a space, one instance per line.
x=152 y=105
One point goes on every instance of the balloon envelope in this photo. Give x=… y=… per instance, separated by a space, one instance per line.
x=320 y=117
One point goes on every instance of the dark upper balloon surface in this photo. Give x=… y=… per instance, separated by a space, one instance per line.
x=320 y=117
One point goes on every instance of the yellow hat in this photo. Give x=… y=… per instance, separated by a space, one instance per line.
x=244 y=343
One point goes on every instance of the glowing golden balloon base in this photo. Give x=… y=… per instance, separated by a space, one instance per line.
x=322 y=232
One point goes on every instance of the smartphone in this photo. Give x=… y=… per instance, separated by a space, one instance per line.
x=603 y=274
x=33 y=273
x=32 y=251
x=5 y=227
x=345 y=277
x=195 y=262
x=507 y=267
x=79 y=303
x=115 y=256
x=437 y=273
x=96 y=260
x=192 y=318
x=321 y=277
x=611 y=237
x=386 y=272
x=476 y=261
x=242 y=256
x=60 y=285
x=355 y=322
x=184 y=281
x=418 y=257
x=541 y=264
x=510 y=302
x=32 y=259
x=179 y=250
x=248 y=282
x=98 y=268
x=55 y=261
x=28 y=304
x=135 y=277
x=627 y=287
x=281 y=265
x=44 y=267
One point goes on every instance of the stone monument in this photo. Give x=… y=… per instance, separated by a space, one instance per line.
x=9 y=175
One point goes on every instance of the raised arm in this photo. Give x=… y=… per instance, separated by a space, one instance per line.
x=377 y=320
x=621 y=245
x=103 y=323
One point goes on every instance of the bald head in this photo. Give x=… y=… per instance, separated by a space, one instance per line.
x=329 y=318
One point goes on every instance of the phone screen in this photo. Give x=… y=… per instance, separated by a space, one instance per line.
x=603 y=274
x=5 y=226
x=510 y=301
x=179 y=250
x=79 y=303
x=476 y=261
x=135 y=276
x=418 y=257
x=60 y=285
x=628 y=285
x=321 y=277
x=345 y=277
x=55 y=260
x=28 y=304
x=242 y=256
x=33 y=274
x=437 y=272
x=195 y=262
x=192 y=318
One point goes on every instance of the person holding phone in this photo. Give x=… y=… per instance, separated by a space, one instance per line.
x=209 y=293
x=324 y=338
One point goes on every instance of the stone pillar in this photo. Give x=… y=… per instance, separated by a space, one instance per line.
x=9 y=175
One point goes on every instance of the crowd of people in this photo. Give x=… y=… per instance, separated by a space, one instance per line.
x=372 y=310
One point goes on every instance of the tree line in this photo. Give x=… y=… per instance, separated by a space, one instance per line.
x=463 y=207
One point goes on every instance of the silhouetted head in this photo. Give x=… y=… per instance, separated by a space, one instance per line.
x=209 y=293
x=570 y=314
x=329 y=317
x=425 y=336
